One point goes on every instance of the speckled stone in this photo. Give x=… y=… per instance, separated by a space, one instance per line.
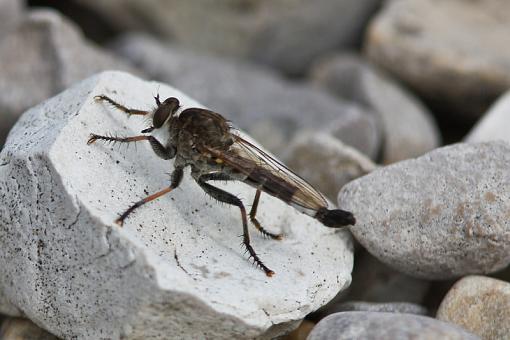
x=175 y=269
x=440 y=216
x=479 y=304
x=385 y=326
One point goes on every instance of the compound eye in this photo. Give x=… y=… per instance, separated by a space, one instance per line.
x=165 y=110
x=160 y=116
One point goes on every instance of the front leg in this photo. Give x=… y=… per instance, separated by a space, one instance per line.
x=225 y=197
x=128 y=111
x=175 y=181
x=159 y=149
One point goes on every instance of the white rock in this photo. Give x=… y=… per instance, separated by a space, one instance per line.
x=176 y=269
x=495 y=124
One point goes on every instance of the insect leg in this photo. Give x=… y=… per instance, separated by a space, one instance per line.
x=256 y=223
x=228 y=198
x=120 y=107
x=175 y=181
x=159 y=149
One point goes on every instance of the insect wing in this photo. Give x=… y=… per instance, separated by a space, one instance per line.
x=247 y=158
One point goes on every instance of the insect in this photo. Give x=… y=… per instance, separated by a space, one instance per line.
x=216 y=151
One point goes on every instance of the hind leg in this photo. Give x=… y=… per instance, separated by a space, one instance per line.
x=225 y=197
x=256 y=223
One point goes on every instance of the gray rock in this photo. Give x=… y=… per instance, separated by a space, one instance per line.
x=259 y=101
x=23 y=329
x=175 y=270
x=377 y=282
x=479 y=304
x=457 y=64
x=279 y=33
x=362 y=132
x=494 y=125
x=408 y=127
x=390 y=307
x=325 y=162
x=385 y=326
x=440 y=216
x=11 y=12
x=41 y=57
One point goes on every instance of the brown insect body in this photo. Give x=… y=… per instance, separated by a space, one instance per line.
x=215 y=150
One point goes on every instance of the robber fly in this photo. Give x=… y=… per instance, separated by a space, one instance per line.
x=215 y=150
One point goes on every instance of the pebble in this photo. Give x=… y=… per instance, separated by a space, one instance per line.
x=408 y=128
x=494 y=125
x=44 y=54
x=479 y=304
x=385 y=326
x=325 y=162
x=456 y=65
x=279 y=33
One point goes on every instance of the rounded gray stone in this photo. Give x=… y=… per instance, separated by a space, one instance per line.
x=458 y=65
x=23 y=329
x=378 y=282
x=408 y=128
x=362 y=132
x=385 y=326
x=440 y=216
x=176 y=268
x=41 y=56
x=11 y=13
x=479 y=304
x=325 y=162
x=279 y=33
x=494 y=125
x=387 y=307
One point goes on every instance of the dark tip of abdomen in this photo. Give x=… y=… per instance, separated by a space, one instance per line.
x=335 y=218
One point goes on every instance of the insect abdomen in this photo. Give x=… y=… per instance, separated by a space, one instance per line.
x=336 y=218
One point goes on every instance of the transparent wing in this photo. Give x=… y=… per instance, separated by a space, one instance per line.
x=274 y=177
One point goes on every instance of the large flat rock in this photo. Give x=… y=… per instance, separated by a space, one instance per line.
x=176 y=269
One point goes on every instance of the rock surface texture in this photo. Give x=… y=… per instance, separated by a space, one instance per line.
x=42 y=56
x=440 y=216
x=385 y=326
x=175 y=270
x=267 y=106
x=479 y=304
x=408 y=128
x=494 y=125
x=457 y=63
